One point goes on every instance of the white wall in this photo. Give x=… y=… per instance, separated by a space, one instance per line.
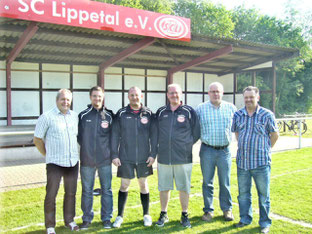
x=85 y=80
x=158 y=82
x=156 y=100
x=55 y=80
x=25 y=79
x=132 y=78
x=113 y=78
x=194 y=82
x=27 y=103
x=113 y=101
x=80 y=101
x=2 y=75
x=179 y=78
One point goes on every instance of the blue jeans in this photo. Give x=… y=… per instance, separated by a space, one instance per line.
x=210 y=159
x=87 y=181
x=261 y=176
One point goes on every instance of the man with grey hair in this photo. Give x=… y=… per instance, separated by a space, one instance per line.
x=178 y=130
x=215 y=117
x=56 y=138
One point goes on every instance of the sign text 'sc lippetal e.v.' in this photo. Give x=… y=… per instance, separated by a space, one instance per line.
x=97 y=15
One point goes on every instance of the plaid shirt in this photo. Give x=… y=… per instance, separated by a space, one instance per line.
x=59 y=133
x=254 y=142
x=215 y=123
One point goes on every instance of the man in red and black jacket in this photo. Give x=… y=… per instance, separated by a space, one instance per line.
x=134 y=144
x=178 y=130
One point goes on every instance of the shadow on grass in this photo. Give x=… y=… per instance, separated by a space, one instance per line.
x=196 y=221
x=171 y=226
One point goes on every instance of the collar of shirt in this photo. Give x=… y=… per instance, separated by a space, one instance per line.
x=244 y=110
x=57 y=111
x=216 y=107
x=169 y=107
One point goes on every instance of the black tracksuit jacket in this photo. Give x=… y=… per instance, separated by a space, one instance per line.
x=177 y=132
x=94 y=136
x=134 y=136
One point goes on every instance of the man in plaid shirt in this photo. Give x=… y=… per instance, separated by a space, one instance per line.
x=256 y=131
x=215 y=117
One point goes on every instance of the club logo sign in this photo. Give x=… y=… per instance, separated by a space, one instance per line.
x=181 y=118
x=104 y=124
x=100 y=16
x=144 y=120
x=171 y=27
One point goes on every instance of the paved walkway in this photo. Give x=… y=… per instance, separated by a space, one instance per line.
x=31 y=173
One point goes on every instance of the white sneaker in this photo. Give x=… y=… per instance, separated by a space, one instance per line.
x=118 y=222
x=147 y=219
x=50 y=230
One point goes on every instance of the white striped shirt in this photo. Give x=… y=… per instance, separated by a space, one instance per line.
x=59 y=133
x=215 y=123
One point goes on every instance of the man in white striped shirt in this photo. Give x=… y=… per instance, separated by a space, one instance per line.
x=215 y=118
x=56 y=138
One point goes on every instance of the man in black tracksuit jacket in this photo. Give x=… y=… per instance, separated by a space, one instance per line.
x=134 y=145
x=178 y=130
x=94 y=137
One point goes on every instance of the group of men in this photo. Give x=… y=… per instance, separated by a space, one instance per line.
x=133 y=137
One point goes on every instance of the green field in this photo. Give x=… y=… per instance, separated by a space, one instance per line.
x=291 y=189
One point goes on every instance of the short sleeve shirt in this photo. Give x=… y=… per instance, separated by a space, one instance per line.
x=59 y=132
x=215 y=123
x=254 y=142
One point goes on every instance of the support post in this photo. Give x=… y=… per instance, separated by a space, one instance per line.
x=274 y=87
x=8 y=94
x=234 y=87
x=253 y=79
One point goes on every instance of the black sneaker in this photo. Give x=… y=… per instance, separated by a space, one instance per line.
x=185 y=221
x=85 y=225
x=163 y=218
x=107 y=224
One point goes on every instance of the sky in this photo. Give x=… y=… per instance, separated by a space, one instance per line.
x=270 y=7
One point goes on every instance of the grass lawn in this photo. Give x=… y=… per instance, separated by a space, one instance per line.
x=307 y=134
x=291 y=189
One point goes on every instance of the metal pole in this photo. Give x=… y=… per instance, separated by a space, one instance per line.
x=300 y=121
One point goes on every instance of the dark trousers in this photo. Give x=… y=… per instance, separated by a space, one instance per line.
x=54 y=176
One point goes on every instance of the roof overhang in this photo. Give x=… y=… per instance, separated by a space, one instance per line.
x=61 y=44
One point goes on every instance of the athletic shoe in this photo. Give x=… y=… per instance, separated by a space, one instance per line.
x=207 y=216
x=107 y=224
x=147 y=219
x=228 y=215
x=265 y=230
x=185 y=221
x=72 y=226
x=85 y=225
x=163 y=218
x=51 y=230
x=118 y=222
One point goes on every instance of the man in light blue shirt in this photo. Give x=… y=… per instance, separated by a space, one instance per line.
x=215 y=117
x=56 y=138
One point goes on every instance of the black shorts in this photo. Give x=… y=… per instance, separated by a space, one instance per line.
x=126 y=170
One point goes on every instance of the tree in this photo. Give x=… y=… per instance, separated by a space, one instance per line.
x=291 y=90
x=161 y=6
x=206 y=18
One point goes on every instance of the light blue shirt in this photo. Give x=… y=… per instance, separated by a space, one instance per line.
x=215 y=123
x=59 y=132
